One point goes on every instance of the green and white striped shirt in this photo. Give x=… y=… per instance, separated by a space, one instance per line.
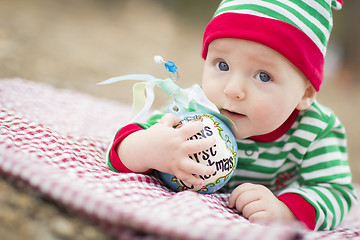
x=310 y=160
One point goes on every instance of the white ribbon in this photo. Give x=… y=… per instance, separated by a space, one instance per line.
x=190 y=97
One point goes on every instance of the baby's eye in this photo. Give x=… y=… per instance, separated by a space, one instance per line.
x=222 y=66
x=262 y=76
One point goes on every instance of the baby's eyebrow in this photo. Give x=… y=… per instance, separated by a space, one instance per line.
x=220 y=47
x=262 y=59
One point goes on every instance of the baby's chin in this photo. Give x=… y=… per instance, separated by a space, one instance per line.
x=244 y=127
x=241 y=135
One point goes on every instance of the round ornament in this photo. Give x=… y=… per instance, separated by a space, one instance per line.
x=222 y=156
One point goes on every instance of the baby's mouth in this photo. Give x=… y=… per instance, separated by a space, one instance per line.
x=232 y=115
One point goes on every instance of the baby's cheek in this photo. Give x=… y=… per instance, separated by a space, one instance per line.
x=268 y=119
x=213 y=96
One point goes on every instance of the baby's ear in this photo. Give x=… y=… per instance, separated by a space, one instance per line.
x=307 y=99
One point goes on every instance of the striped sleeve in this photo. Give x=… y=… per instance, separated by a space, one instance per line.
x=112 y=159
x=325 y=177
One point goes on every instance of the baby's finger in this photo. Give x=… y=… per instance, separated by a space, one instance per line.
x=170 y=120
x=198 y=145
x=252 y=208
x=249 y=203
x=189 y=129
x=192 y=167
x=237 y=192
x=261 y=216
x=189 y=179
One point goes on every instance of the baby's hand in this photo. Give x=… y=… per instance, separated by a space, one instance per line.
x=170 y=149
x=258 y=204
x=166 y=149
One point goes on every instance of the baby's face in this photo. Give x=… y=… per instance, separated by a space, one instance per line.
x=253 y=85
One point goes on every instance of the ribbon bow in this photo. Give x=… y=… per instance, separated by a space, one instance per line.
x=192 y=97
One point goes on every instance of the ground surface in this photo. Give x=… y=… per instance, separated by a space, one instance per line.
x=75 y=44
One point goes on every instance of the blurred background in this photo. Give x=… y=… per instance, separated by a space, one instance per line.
x=74 y=44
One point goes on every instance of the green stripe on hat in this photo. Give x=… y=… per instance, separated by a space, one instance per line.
x=313 y=17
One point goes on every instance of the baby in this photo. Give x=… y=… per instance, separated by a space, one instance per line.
x=263 y=67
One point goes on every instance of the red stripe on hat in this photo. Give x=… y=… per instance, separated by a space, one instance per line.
x=283 y=37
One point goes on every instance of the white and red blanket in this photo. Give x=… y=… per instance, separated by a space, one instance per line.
x=55 y=141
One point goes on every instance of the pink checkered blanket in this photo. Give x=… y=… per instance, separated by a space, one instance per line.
x=55 y=141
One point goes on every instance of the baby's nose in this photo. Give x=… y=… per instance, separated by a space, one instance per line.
x=235 y=89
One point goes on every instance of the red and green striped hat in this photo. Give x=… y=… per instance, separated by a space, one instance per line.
x=298 y=29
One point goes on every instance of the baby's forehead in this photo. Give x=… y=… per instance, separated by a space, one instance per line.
x=241 y=46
